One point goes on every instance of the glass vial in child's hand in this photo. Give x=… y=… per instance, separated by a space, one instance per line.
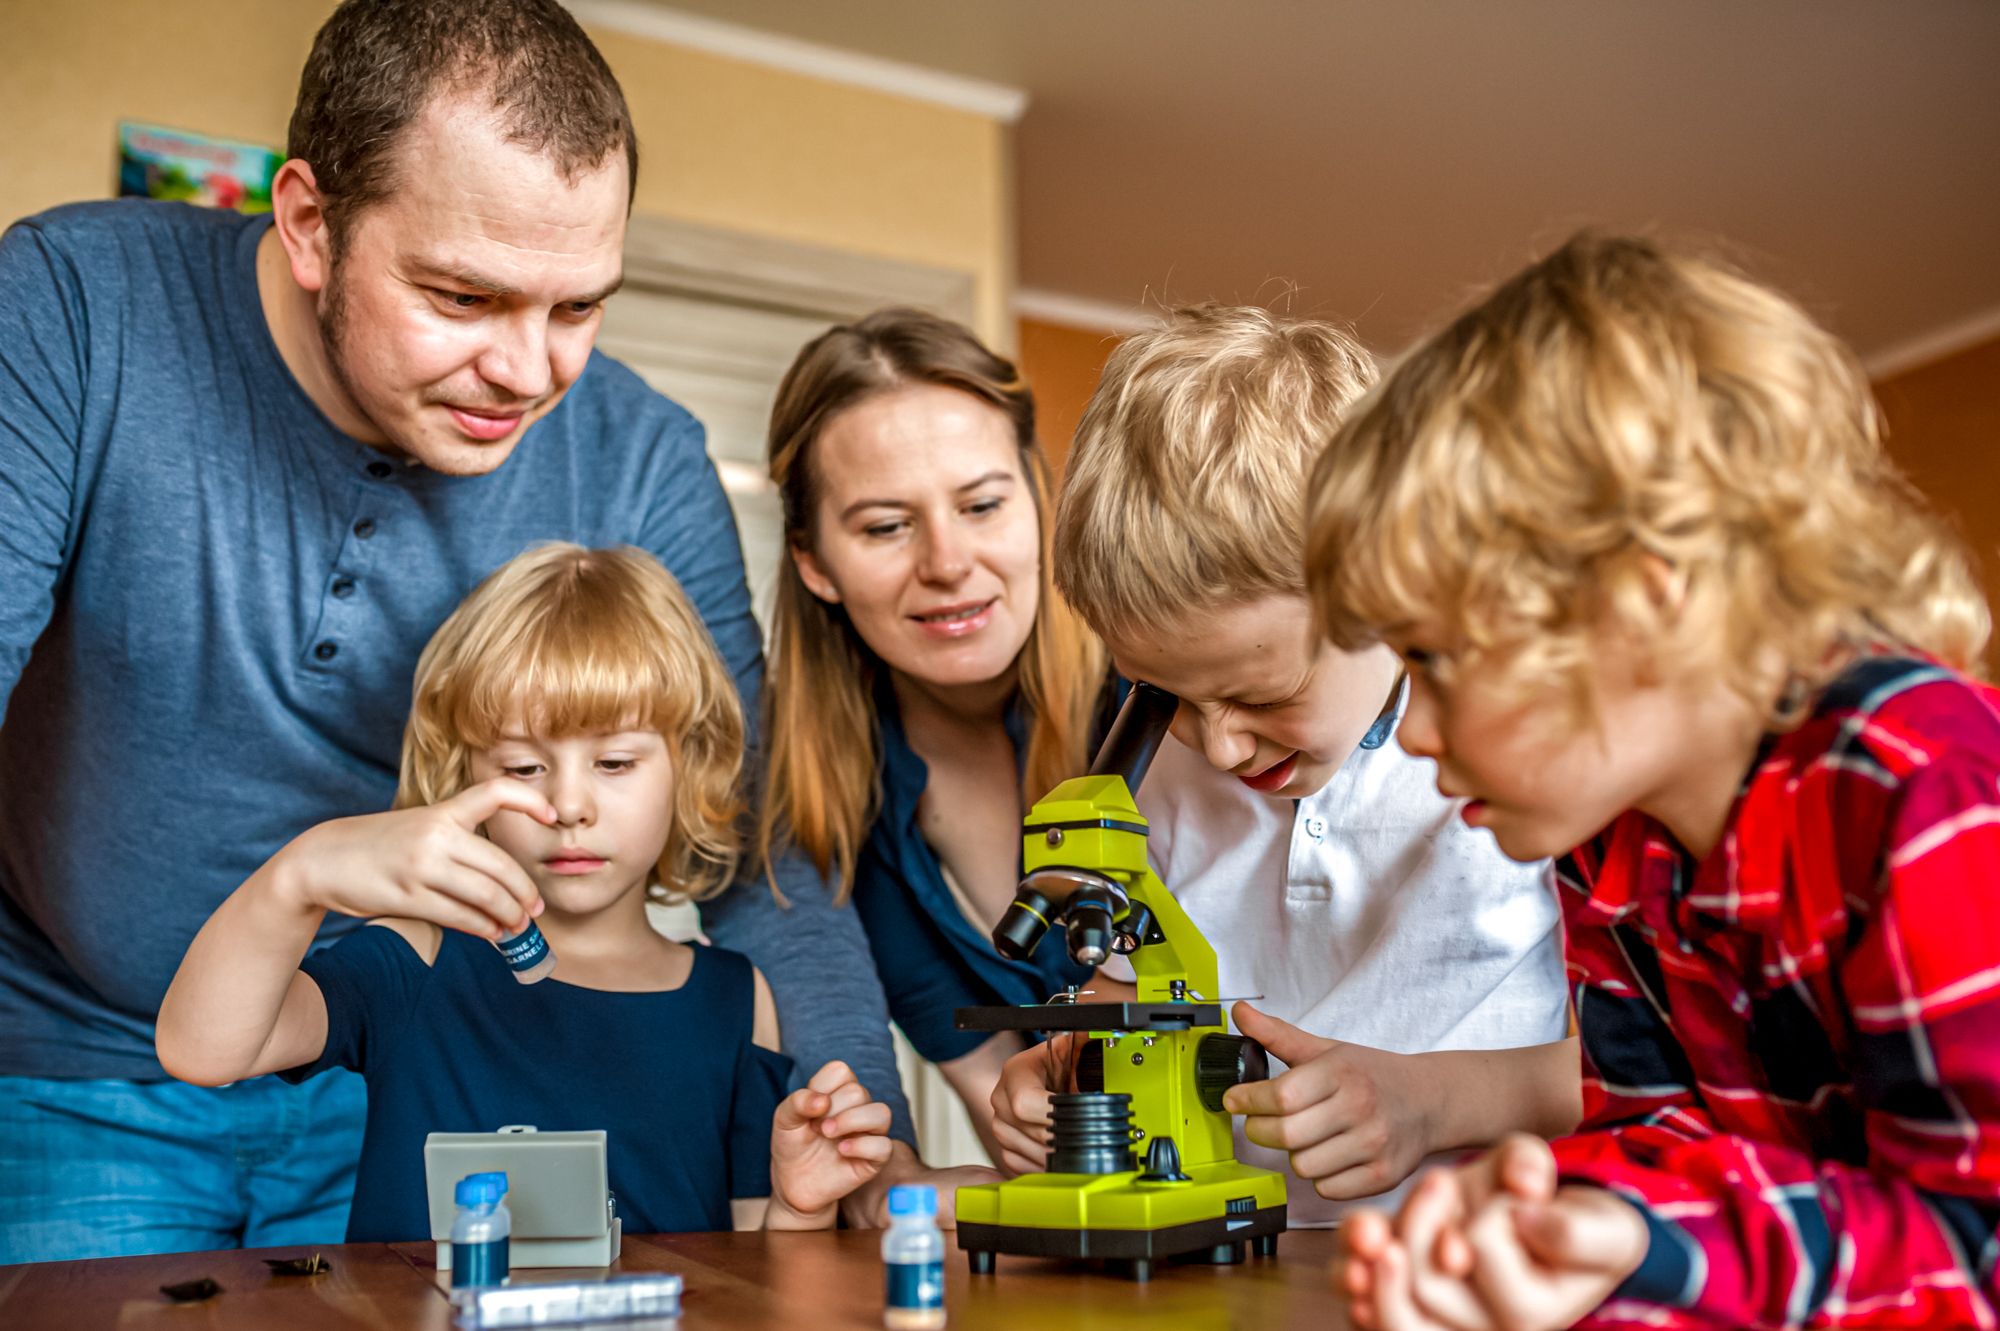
x=527 y=954
x=913 y=1258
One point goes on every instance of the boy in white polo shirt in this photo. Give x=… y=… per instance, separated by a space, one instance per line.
x=1411 y=975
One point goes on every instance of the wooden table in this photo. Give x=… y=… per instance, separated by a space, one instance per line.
x=799 y=1282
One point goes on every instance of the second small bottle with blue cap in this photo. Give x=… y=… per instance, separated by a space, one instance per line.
x=480 y=1231
x=913 y=1257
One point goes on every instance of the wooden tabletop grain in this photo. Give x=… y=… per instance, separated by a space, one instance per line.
x=753 y=1280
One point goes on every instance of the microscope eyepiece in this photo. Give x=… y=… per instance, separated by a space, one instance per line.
x=1022 y=927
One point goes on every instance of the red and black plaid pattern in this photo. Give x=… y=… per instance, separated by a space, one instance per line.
x=1791 y=1048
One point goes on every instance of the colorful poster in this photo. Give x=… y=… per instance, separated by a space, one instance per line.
x=157 y=163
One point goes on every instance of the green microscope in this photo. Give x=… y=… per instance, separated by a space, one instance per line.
x=1142 y=1166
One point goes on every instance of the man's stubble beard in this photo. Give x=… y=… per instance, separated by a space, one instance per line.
x=331 y=315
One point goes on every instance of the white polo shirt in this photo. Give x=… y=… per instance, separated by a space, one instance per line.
x=1368 y=912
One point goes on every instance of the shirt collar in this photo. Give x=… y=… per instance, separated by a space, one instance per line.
x=1392 y=715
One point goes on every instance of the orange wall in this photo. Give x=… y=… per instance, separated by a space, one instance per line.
x=1944 y=432
x=1061 y=364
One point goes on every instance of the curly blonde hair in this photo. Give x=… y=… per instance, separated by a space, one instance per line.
x=1186 y=483
x=579 y=642
x=1615 y=402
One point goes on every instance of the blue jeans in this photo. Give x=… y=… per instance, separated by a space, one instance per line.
x=114 y=1168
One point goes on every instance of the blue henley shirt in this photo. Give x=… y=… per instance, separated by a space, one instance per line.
x=211 y=606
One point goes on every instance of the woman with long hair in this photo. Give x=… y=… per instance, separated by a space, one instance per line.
x=926 y=681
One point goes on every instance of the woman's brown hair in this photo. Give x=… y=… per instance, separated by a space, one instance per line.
x=821 y=781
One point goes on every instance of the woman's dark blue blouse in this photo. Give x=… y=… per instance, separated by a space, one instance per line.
x=932 y=959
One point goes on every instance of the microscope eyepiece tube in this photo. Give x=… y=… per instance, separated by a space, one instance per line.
x=1135 y=735
x=1022 y=927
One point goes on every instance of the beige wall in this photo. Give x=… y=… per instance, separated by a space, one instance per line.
x=724 y=143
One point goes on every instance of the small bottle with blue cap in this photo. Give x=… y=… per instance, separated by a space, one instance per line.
x=480 y=1231
x=913 y=1256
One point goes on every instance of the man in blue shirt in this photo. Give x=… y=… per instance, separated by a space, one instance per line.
x=246 y=467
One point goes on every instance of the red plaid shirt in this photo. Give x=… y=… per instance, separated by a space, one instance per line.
x=1792 y=1047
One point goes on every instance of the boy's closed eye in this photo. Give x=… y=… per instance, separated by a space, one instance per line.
x=1266 y=703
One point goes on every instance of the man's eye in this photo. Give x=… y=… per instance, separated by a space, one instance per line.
x=580 y=309
x=461 y=300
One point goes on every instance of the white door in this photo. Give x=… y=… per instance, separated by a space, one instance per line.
x=713 y=321
x=723 y=363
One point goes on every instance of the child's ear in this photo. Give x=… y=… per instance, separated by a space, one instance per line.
x=813 y=576
x=1666 y=589
x=1666 y=586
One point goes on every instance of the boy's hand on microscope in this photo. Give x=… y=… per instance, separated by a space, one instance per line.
x=1021 y=1101
x=1356 y=1121
x=1494 y=1243
x=426 y=863
x=827 y=1139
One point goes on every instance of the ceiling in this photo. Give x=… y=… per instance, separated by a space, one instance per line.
x=1380 y=160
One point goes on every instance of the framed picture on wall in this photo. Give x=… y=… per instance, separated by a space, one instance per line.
x=159 y=163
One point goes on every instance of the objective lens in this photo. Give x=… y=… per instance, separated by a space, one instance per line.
x=1088 y=916
x=1022 y=927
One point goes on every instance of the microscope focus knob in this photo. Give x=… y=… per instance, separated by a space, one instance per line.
x=1223 y=1061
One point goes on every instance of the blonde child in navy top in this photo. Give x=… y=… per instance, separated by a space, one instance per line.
x=574 y=747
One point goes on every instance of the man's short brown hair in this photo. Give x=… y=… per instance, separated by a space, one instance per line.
x=377 y=64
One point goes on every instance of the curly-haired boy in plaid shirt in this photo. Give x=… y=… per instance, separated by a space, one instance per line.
x=1673 y=617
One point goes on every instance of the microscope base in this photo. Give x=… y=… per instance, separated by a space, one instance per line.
x=1128 y=1217
x=1222 y=1240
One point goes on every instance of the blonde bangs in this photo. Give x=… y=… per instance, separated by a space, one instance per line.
x=587 y=666
x=564 y=641
x=1612 y=408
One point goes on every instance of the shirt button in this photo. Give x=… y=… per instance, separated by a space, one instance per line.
x=365 y=528
x=379 y=470
x=343 y=588
x=1316 y=827
x=326 y=651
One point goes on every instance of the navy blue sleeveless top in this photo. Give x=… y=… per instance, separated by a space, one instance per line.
x=673 y=1078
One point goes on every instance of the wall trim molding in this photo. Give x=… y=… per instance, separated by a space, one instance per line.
x=1935 y=345
x=1101 y=316
x=995 y=101
x=711 y=263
